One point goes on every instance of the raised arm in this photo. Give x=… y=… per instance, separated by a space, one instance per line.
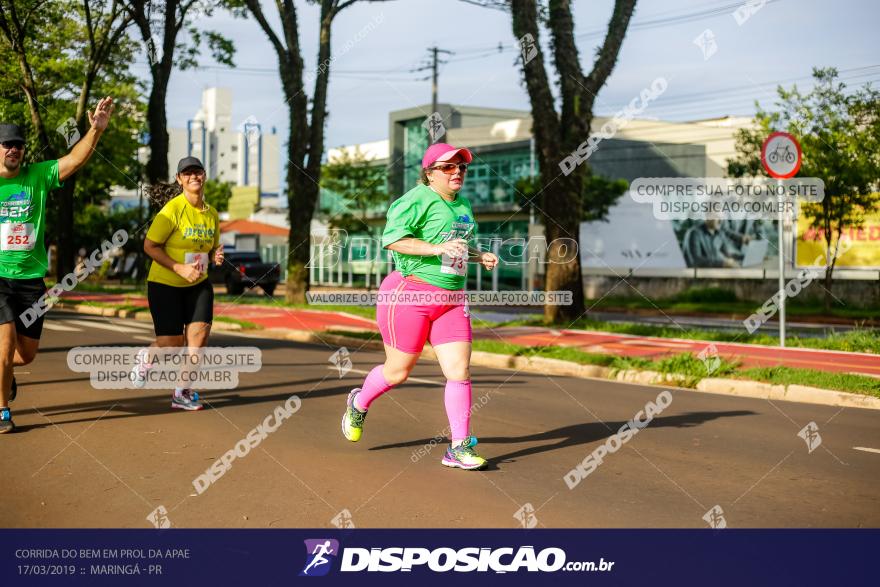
x=83 y=149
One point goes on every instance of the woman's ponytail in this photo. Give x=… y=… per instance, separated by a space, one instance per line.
x=160 y=193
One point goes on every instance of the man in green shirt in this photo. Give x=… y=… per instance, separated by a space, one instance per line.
x=23 y=260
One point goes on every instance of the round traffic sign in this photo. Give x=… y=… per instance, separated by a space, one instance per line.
x=781 y=155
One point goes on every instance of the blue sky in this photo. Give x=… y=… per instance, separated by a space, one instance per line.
x=781 y=42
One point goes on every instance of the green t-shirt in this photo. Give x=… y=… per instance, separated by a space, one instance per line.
x=423 y=214
x=23 y=220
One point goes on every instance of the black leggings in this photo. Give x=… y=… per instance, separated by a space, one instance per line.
x=175 y=307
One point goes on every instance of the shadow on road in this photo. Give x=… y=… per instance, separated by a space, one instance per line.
x=158 y=404
x=576 y=434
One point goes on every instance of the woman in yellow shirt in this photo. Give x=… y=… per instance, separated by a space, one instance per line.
x=182 y=238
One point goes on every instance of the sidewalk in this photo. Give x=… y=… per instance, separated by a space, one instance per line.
x=589 y=341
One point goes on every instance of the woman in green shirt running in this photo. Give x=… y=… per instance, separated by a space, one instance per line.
x=428 y=230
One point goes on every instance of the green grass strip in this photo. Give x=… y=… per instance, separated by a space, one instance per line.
x=689 y=367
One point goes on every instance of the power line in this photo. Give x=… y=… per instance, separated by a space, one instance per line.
x=483 y=52
x=654 y=21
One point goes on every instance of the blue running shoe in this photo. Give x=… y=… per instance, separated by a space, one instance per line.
x=188 y=400
x=6 y=424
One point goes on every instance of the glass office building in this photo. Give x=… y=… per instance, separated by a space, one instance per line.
x=502 y=144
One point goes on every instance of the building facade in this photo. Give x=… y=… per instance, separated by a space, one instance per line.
x=503 y=148
x=243 y=153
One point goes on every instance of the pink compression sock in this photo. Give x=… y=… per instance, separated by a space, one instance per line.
x=374 y=386
x=458 y=408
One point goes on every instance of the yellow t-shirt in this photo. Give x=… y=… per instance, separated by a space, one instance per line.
x=183 y=229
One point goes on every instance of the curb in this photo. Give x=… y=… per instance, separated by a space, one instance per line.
x=545 y=366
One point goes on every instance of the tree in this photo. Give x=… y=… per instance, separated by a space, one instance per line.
x=839 y=135
x=559 y=134
x=105 y=24
x=359 y=184
x=20 y=21
x=65 y=51
x=597 y=194
x=160 y=23
x=217 y=194
x=305 y=145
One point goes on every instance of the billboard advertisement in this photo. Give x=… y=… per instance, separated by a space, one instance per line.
x=633 y=238
x=864 y=252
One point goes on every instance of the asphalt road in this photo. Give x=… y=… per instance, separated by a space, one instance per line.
x=108 y=458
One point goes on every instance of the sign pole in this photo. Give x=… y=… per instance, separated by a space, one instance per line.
x=781 y=157
x=781 y=241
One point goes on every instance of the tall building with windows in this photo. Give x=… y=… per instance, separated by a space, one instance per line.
x=239 y=150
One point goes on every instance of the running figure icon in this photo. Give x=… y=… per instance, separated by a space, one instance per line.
x=319 y=559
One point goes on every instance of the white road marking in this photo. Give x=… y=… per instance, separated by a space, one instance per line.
x=105 y=326
x=60 y=327
x=134 y=324
x=866 y=449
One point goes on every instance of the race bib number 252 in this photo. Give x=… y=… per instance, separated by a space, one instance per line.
x=17 y=236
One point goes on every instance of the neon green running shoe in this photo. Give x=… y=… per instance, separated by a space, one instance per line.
x=353 y=418
x=464 y=456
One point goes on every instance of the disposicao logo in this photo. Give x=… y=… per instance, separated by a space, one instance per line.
x=320 y=553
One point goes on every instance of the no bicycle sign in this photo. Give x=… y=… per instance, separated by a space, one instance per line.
x=781 y=155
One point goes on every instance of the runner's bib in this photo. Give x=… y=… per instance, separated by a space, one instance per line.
x=457 y=265
x=17 y=236
x=200 y=259
x=454 y=265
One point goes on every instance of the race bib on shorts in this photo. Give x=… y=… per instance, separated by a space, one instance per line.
x=17 y=236
x=200 y=259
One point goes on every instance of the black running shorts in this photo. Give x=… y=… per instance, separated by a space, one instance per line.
x=175 y=307
x=17 y=296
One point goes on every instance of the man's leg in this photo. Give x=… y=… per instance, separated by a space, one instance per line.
x=7 y=354
x=25 y=350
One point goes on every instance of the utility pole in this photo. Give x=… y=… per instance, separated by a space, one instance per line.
x=434 y=50
x=434 y=64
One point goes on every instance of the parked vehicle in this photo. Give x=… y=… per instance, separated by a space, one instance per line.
x=245 y=269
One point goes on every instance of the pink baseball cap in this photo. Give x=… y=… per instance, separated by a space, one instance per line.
x=444 y=152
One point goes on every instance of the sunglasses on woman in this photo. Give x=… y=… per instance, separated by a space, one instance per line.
x=449 y=168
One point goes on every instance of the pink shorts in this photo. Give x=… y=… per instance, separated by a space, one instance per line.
x=406 y=326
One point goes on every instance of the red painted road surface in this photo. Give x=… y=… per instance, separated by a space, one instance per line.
x=589 y=341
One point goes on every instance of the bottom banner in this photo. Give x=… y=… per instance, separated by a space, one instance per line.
x=400 y=557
